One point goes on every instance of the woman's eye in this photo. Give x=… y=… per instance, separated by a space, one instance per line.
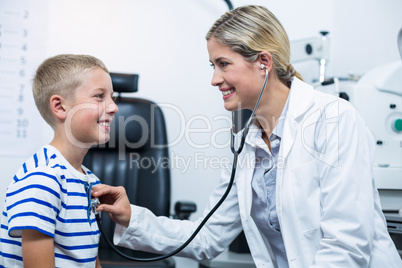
x=99 y=96
x=223 y=64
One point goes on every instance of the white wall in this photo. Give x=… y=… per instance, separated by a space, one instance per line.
x=364 y=35
x=163 y=41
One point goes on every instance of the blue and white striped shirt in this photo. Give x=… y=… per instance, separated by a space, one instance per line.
x=49 y=195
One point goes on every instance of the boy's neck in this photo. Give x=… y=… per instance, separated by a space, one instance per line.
x=73 y=154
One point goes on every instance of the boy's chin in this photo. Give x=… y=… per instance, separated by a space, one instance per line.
x=102 y=141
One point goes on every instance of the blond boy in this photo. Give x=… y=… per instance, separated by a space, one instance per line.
x=47 y=220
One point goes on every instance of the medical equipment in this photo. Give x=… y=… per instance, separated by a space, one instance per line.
x=388 y=165
x=315 y=48
x=394 y=224
x=382 y=87
x=377 y=96
x=95 y=202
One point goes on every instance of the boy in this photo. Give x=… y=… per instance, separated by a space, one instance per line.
x=47 y=220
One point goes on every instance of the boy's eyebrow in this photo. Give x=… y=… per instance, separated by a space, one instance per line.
x=100 y=88
x=104 y=90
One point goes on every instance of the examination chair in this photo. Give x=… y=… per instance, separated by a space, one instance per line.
x=138 y=141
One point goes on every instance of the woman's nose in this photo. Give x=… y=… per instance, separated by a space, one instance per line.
x=217 y=79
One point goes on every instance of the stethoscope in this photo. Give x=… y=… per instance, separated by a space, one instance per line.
x=95 y=202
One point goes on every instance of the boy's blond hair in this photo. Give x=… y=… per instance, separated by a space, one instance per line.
x=61 y=75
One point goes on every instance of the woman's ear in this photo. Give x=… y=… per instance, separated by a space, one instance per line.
x=265 y=58
x=58 y=106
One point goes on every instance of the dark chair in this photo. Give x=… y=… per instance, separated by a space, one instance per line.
x=137 y=158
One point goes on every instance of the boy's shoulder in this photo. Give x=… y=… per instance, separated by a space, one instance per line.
x=47 y=160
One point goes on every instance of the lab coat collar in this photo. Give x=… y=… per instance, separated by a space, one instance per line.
x=254 y=138
x=300 y=100
x=254 y=135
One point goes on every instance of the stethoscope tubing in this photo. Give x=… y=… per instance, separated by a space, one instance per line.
x=212 y=211
x=248 y=123
x=158 y=258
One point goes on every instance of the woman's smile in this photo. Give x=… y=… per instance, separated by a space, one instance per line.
x=227 y=92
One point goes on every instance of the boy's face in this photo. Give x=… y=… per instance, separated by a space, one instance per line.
x=92 y=111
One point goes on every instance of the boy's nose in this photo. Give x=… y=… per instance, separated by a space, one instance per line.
x=112 y=108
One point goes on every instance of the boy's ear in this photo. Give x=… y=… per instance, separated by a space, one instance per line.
x=58 y=106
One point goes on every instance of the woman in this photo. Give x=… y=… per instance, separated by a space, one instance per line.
x=308 y=199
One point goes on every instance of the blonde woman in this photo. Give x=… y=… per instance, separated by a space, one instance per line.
x=308 y=199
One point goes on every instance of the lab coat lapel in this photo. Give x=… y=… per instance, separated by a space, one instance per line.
x=301 y=99
x=258 y=245
x=244 y=177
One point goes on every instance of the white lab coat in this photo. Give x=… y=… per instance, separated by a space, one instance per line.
x=328 y=208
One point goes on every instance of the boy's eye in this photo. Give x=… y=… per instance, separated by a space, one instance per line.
x=99 y=96
x=114 y=97
x=212 y=65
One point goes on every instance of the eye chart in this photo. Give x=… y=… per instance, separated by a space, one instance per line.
x=23 y=38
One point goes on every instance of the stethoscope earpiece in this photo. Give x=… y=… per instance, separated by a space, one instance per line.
x=248 y=123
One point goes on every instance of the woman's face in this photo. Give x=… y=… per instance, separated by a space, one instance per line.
x=239 y=81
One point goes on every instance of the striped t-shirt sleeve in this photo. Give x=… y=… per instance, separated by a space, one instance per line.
x=42 y=189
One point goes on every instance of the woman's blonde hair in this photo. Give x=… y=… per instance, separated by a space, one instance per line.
x=61 y=75
x=249 y=30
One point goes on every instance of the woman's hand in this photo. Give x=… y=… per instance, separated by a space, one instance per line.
x=114 y=201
